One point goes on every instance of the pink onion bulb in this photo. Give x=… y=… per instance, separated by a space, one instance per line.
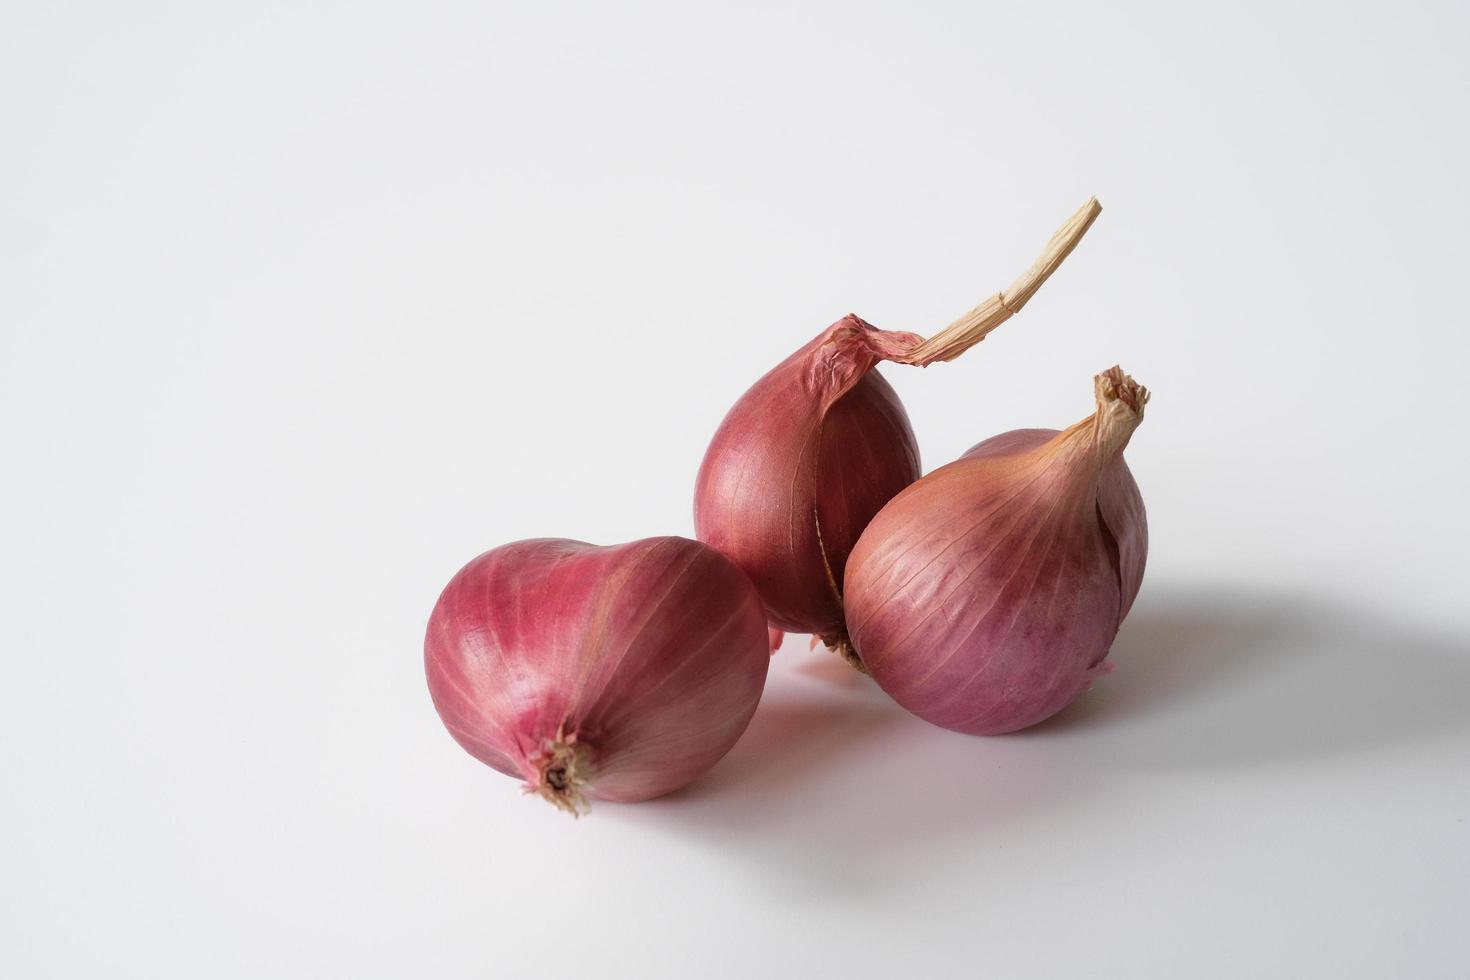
x=817 y=446
x=984 y=598
x=611 y=673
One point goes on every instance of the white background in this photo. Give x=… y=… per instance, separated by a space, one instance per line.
x=304 y=305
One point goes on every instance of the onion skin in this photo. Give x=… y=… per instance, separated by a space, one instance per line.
x=985 y=597
x=1118 y=499
x=816 y=447
x=614 y=673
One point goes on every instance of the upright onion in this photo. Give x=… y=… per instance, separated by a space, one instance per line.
x=985 y=597
x=818 y=445
x=613 y=673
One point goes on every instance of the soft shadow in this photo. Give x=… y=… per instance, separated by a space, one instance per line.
x=834 y=789
x=801 y=732
x=1232 y=678
x=824 y=665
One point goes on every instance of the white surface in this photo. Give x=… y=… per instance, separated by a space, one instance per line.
x=305 y=305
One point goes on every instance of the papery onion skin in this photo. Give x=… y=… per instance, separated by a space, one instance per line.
x=614 y=673
x=1118 y=499
x=985 y=597
x=819 y=444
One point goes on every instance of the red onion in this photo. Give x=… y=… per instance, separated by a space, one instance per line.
x=611 y=673
x=985 y=597
x=815 y=448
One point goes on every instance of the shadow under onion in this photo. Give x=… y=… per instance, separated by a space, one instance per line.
x=836 y=789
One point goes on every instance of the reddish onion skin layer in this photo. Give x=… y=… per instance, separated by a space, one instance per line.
x=800 y=465
x=614 y=673
x=985 y=597
x=1119 y=502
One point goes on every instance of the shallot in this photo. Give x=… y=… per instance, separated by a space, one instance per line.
x=613 y=673
x=985 y=597
x=818 y=445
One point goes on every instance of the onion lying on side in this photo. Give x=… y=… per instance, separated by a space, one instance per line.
x=612 y=673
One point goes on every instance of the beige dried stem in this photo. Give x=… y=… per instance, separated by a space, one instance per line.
x=971 y=328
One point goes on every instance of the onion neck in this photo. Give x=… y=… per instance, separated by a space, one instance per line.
x=1120 y=403
x=1090 y=445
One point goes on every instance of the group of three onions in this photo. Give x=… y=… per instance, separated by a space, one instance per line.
x=983 y=597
